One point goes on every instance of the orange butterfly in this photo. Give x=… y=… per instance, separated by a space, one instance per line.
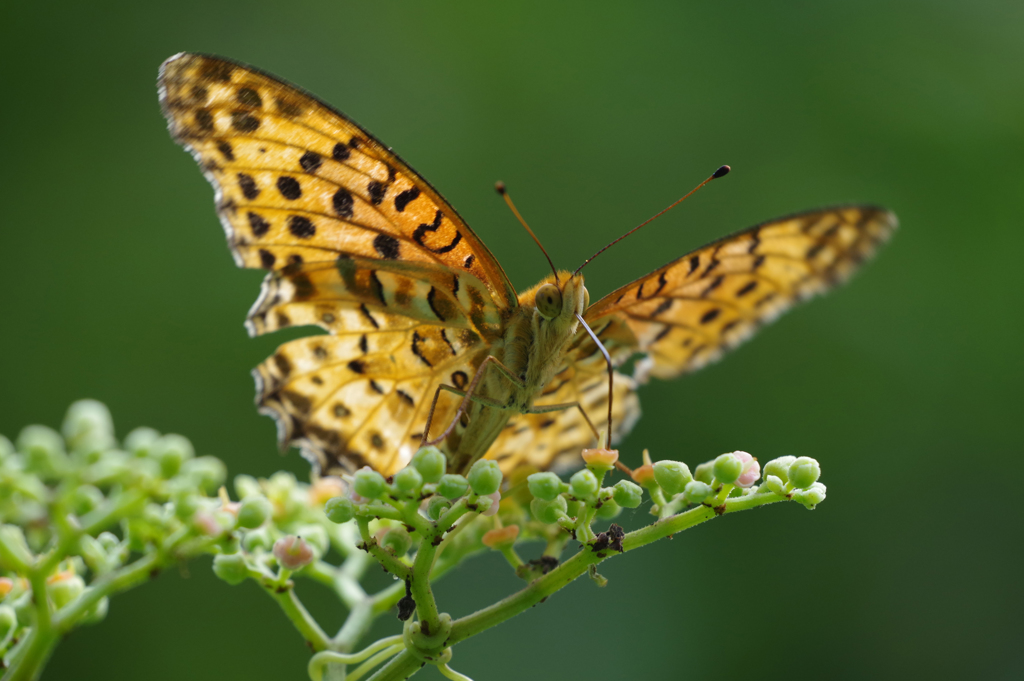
x=413 y=303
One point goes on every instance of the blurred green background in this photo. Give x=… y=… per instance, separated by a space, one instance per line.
x=117 y=285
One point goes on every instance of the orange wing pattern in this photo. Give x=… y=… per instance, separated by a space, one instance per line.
x=356 y=243
x=690 y=311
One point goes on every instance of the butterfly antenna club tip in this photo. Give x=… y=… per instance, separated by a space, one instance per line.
x=499 y=187
x=721 y=172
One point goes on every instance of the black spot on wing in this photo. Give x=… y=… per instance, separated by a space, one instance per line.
x=248 y=186
x=416 y=350
x=710 y=316
x=258 y=225
x=404 y=198
x=357 y=366
x=369 y=317
x=343 y=203
x=340 y=152
x=226 y=151
x=387 y=246
x=747 y=288
x=267 y=259
x=376 y=190
x=301 y=226
x=245 y=122
x=310 y=161
x=289 y=187
x=249 y=97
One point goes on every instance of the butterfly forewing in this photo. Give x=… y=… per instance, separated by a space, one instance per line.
x=355 y=242
x=688 y=312
x=297 y=178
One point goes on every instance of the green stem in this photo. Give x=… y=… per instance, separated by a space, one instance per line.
x=401 y=666
x=426 y=606
x=30 y=659
x=300 y=617
x=576 y=566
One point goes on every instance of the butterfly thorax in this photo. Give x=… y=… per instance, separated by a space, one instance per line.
x=532 y=348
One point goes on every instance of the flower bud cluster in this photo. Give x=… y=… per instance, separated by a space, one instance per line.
x=63 y=495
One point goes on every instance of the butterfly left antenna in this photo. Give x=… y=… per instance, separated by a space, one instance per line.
x=500 y=188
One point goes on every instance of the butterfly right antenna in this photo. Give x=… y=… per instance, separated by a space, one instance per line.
x=721 y=172
x=500 y=188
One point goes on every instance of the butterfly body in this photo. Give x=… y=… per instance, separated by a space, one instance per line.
x=409 y=299
x=530 y=353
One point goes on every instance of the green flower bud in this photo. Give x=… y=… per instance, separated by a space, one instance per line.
x=485 y=477
x=779 y=468
x=583 y=484
x=545 y=486
x=25 y=609
x=257 y=540
x=84 y=498
x=253 y=511
x=44 y=451
x=452 y=486
x=247 y=486
x=88 y=421
x=430 y=462
x=113 y=467
x=437 y=506
x=8 y=621
x=396 y=540
x=65 y=589
x=97 y=613
x=775 y=484
x=171 y=451
x=368 y=483
x=186 y=503
x=672 y=476
x=804 y=472
x=705 y=472
x=15 y=555
x=728 y=468
x=696 y=492
x=109 y=541
x=573 y=507
x=207 y=472
x=140 y=440
x=231 y=567
x=549 y=511
x=609 y=510
x=408 y=480
x=340 y=510
x=810 y=497
x=628 y=494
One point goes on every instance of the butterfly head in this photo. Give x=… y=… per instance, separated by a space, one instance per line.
x=558 y=301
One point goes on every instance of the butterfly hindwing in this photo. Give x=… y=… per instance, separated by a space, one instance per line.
x=690 y=311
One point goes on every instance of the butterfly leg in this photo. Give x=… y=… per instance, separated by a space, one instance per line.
x=468 y=396
x=562 y=407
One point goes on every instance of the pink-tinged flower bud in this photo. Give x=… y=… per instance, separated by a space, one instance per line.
x=751 y=470
x=292 y=552
x=500 y=537
x=207 y=524
x=495 y=502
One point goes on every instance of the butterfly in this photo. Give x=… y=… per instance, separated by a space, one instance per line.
x=418 y=313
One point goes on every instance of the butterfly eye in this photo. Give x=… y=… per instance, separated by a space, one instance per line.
x=549 y=301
